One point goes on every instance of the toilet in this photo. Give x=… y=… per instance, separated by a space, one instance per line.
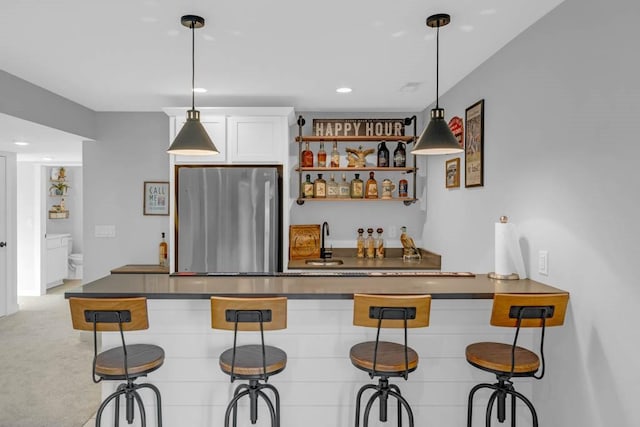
x=75 y=262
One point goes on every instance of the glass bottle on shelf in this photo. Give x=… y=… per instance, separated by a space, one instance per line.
x=360 y=244
x=162 y=253
x=335 y=156
x=383 y=155
x=379 y=244
x=370 y=244
x=371 y=189
x=322 y=156
x=343 y=188
x=307 y=157
x=400 y=156
x=307 y=188
x=319 y=187
x=332 y=188
x=357 y=187
x=403 y=188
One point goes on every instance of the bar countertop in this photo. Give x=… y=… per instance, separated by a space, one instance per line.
x=440 y=285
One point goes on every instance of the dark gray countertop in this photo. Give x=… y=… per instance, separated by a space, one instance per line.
x=306 y=286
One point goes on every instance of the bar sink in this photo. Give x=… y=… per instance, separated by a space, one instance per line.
x=324 y=262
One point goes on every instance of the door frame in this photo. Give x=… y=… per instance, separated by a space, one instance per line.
x=10 y=286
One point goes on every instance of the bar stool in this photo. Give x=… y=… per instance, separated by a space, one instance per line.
x=252 y=362
x=509 y=361
x=385 y=359
x=123 y=363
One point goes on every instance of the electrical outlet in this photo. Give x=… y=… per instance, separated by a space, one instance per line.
x=543 y=262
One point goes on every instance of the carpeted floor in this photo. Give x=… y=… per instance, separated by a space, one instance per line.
x=45 y=366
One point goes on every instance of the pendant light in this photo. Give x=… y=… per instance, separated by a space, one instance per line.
x=193 y=140
x=437 y=138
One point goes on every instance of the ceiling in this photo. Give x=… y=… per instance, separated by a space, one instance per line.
x=134 y=55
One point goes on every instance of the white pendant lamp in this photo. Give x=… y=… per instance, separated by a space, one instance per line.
x=437 y=138
x=193 y=140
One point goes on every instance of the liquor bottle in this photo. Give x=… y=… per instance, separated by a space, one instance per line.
x=371 y=189
x=335 y=156
x=319 y=187
x=163 y=252
x=400 y=156
x=383 y=155
x=332 y=188
x=379 y=244
x=403 y=188
x=322 y=156
x=343 y=188
x=360 y=244
x=370 y=244
x=307 y=188
x=307 y=157
x=357 y=187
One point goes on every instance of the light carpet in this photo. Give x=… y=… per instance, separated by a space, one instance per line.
x=45 y=367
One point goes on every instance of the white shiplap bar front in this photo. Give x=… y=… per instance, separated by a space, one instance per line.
x=319 y=385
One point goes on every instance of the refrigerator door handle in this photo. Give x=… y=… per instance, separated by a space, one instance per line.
x=267 y=224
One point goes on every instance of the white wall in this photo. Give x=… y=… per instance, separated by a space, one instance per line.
x=561 y=123
x=29 y=227
x=129 y=150
x=344 y=218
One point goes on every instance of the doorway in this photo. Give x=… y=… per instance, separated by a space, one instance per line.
x=4 y=279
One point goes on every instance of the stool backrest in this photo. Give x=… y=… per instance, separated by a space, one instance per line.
x=132 y=313
x=531 y=307
x=248 y=312
x=367 y=310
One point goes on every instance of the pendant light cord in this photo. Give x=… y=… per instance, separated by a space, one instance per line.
x=193 y=65
x=437 y=64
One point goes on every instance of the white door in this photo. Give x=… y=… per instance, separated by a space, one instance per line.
x=3 y=237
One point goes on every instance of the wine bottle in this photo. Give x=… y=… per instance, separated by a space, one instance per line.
x=357 y=187
x=332 y=188
x=307 y=188
x=370 y=244
x=400 y=156
x=320 y=187
x=322 y=156
x=307 y=157
x=371 y=189
x=163 y=252
x=335 y=156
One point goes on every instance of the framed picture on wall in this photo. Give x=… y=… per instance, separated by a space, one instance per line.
x=452 y=173
x=156 y=198
x=474 y=145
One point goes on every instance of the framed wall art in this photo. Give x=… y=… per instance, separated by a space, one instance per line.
x=474 y=145
x=452 y=173
x=156 y=198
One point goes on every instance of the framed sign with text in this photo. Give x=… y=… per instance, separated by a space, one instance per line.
x=474 y=145
x=156 y=198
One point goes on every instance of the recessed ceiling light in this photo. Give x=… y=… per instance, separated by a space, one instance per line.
x=466 y=28
x=488 y=12
x=208 y=38
x=343 y=90
x=22 y=143
x=47 y=158
x=410 y=87
x=199 y=90
x=172 y=33
x=398 y=34
x=149 y=19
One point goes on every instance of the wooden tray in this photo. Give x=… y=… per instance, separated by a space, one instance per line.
x=304 y=241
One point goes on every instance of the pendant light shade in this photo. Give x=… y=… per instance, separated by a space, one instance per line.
x=437 y=138
x=193 y=140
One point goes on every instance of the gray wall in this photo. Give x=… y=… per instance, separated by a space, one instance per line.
x=130 y=150
x=561 y=123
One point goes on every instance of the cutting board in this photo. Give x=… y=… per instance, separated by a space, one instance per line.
x=304 y=241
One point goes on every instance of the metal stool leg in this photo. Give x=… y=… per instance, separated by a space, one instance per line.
x=277 y=396
x=104 y=404
x=231 y=405
x=513 y=409
x=527 y=402
x=143 y=414
x=367 y=408
x=235 y=407
x=492 y=399
x=470 y=401
x=117 y=406
x=274 y=423
x=402 y=402
x=158 y=400
x=397 y=390
x=358 y=398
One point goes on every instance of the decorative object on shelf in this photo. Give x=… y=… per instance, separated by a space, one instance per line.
x=59 y=188
x=192 y=140
x=437 y=138
x=156 y=198
x=452 y=173
x=410 y=251
x=304 y=241
x=387 y=188
x=403 y=188
x=357 y=157
x=371 y=187
x=58 y=174
x=358 y=127
x=383 y=155
x=400 y=156
x=474 y=149
x=455 y=124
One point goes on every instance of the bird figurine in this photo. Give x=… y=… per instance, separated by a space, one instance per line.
x=409 y=247
x=357 y=157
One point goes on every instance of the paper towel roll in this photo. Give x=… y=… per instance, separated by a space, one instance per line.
x=508 y=256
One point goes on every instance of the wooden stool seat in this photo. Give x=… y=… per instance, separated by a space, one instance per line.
x=249 y=360
x=496 y=357
x=141 y=359
x=390 y=359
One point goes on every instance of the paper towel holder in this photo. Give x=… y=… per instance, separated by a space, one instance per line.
x=513 y=276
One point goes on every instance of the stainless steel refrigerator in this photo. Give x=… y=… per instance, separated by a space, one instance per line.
x=228 y=219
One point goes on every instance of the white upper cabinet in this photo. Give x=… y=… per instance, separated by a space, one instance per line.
x=257 y=139
x=242 y=135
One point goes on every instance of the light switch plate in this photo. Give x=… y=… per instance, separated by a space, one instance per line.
x=543 y=262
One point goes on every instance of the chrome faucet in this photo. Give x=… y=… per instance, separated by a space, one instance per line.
x=324 y=253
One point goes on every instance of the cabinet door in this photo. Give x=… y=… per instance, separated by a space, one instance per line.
x=217 y=130
x=257 y=139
